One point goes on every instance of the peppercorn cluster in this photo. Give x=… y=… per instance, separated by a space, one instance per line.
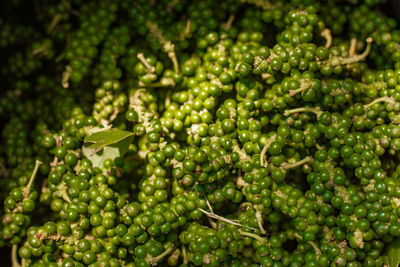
x=199 y=133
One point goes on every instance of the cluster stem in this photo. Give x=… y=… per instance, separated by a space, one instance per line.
x=14 y=258
x=326 y=33
x=317 y=111
x=260 y=221
x=27 y=188
x=154 y=260
x=150 y=68
x=353 y=46
x=354 y=58
x=305 y=85
x=287 y=166
x=220 y=218
x=387 y=99
x=263 y=162
x=312 y=243
x=257 y=237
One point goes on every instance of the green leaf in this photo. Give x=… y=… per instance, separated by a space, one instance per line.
x=98 y=155
x=393 y=253
x=106 y=138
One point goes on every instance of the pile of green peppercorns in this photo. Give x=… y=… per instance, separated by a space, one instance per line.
x=200 y=133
